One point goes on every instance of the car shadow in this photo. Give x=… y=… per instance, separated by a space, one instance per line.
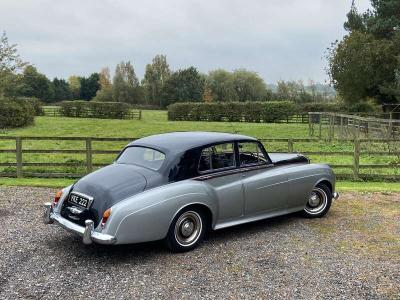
x=140 y=253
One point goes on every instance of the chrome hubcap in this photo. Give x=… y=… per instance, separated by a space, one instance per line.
x=316 y=202
x=188 y=228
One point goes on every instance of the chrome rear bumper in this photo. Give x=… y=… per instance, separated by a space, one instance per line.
x=88 y=234
x=335 y=196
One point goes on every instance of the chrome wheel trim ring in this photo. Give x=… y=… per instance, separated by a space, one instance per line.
x=317 y=201
x=188 y=228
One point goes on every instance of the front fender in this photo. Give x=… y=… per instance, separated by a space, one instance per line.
x=148 y=215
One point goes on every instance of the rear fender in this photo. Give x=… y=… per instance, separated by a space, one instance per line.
x=147 y=216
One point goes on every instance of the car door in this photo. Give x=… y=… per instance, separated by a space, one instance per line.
x=265 y=187
x=217 y=167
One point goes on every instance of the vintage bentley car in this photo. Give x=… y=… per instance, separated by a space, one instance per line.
x=176 y=186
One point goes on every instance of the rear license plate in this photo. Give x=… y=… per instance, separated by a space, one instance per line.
x=80 y=200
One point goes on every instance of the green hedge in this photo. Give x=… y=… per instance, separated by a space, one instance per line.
x=232 y=111
x=15 y=113
x=101 y=110
x=322 y=107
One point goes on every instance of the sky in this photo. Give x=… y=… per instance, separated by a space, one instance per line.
x=278 y=39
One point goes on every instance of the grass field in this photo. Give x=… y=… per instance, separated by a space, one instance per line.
x=152 y=122
x=341 y=186
x=156 y=122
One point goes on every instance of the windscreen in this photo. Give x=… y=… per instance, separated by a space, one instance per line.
x=142 y=156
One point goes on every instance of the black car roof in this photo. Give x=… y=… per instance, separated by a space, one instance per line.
x=182 y=141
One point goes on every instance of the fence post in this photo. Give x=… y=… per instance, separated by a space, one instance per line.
x=310 y=133
x=89 y=166
x=341 y=127
x=18 y=153
x=140 y=114
x=390 y=129
x=320 y=126
x=290 y=145
x=356 y=166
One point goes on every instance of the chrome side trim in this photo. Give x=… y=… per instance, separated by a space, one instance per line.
x=88 y=234
x=231 y=171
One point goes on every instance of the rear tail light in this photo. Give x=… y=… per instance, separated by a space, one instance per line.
x=106 y=215
x=57 y=198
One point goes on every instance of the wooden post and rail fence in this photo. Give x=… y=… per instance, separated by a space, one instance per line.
x=88 y=151
x=344 y=126
x=54 y=111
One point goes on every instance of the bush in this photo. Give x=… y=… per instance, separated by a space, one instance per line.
x=15 y=113
x=232 y=111
x=37 y=105
x=102 y=110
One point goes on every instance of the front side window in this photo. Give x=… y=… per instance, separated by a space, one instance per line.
x=142 y=156
x=217 y=157
x=250 y=153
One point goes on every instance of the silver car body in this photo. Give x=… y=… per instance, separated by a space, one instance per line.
x=231 y=198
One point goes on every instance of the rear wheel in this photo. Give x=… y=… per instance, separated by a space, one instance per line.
x=319 y=202
x=186 y=231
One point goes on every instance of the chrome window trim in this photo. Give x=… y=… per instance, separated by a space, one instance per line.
x=232 y=172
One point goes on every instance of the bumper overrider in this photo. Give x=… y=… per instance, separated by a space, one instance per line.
x=335 y=196
x=88 y=234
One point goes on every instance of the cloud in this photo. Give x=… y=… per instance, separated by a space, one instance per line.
x=283 y=39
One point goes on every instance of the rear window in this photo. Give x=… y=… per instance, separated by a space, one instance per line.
x=142 y=156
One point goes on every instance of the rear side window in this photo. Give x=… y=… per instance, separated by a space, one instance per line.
x=217 y=157
x=250 y=153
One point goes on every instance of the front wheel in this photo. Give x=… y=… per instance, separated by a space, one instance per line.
x=319 y=202
x=186 y=231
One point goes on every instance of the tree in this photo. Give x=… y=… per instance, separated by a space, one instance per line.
x=354 y=21
x=207 y=94
x=313 y=89
x=282 y=91
x=249 y=86
x=10 y=64
x=155 y=77
x=383 y=21
x=183 y=85
x=364 y=64
x=10 y=60
x=75 y=86
x=125 y=84
x=89 y=86
x=361 y=65
x=105 y=93
x=221 y=85
x=36 y=84
x=61 y=90
x=105 y=78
